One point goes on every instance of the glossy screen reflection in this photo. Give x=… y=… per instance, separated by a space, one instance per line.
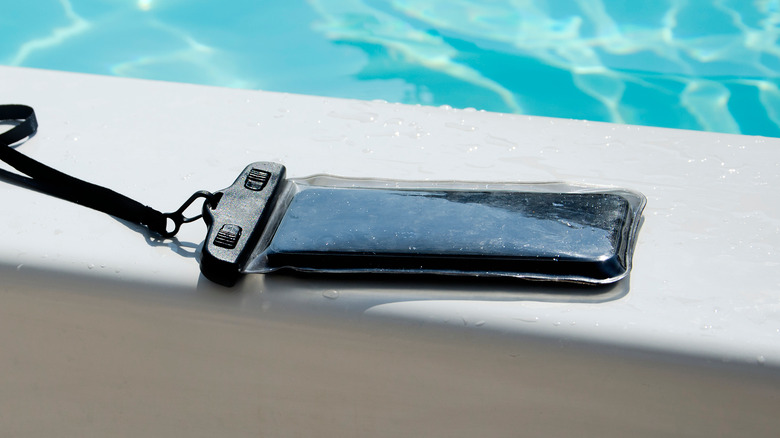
x=544 y=235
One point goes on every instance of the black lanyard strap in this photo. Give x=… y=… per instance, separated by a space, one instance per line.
x=45 y=179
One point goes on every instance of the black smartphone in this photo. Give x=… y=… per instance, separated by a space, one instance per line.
x=453 y=231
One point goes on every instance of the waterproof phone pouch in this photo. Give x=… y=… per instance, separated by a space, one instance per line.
x=551 y=231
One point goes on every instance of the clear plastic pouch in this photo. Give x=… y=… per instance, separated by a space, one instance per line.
x=548 y=231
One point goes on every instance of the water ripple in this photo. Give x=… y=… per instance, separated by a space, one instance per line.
x=678 y=63
x=711 y=64
x=76 y=26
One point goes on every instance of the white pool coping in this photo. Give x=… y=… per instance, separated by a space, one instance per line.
x=705 y=286
x=705 y=278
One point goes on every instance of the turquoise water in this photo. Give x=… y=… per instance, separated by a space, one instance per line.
x=707 y=65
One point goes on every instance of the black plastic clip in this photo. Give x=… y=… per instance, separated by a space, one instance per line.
x=177 y=217
x=237 y=220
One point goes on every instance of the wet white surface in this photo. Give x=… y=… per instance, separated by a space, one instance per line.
x=704 y=291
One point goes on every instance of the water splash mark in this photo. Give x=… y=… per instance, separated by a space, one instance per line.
x=331 y=294
x=58 y=35
x=361 y=116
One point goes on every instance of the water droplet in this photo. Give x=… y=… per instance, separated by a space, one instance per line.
x=528 y=318
x=761 y=360
x=330 y=294
x=362 y=117
x=462 y=126
x=557 y=323
x=19 y=266
x=479 y=323
x=90 y=266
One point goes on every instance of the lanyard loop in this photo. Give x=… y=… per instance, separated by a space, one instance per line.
x=26 y=123
x=178 y=218
x=47 y=180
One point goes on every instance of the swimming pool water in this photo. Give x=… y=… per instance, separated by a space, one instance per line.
x=695 y=64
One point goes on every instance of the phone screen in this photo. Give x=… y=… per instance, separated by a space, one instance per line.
x=502 y=232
